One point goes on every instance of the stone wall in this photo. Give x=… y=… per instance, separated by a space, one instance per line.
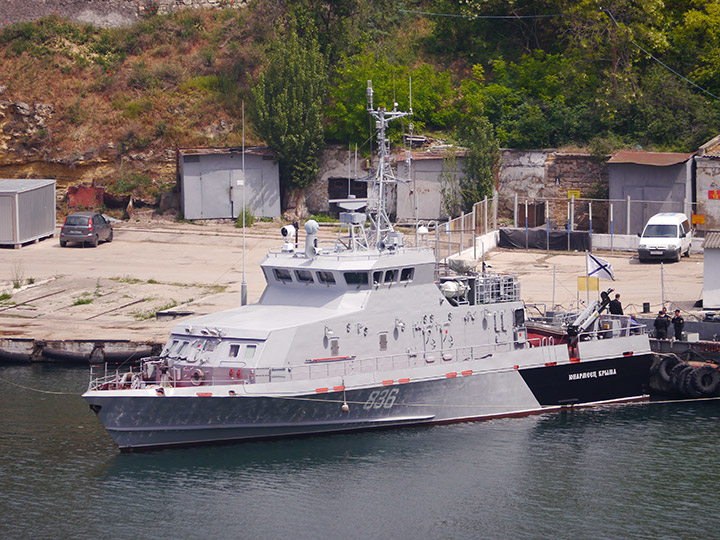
x=102 y=13
x=539 y=175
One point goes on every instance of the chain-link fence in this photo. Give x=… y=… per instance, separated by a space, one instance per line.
x=604 y=216
x=461 y=233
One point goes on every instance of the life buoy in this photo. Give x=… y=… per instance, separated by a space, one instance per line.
x=197 y=377
x=666 y=366
x=705 y=380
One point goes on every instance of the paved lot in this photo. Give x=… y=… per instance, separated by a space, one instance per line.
x=678 y=284
x=114 y=290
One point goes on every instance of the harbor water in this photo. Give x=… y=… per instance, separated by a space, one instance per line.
x=644 y=470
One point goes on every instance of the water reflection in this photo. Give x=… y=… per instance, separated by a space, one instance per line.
x=640 y=471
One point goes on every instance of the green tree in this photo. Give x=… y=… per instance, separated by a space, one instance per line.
x=288 y=107
x=482 y=160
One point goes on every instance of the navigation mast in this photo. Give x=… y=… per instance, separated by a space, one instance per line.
x=380 y=222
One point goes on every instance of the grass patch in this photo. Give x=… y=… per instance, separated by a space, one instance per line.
x=249 y=217
x=144 y=315
x=126 y=279
x=5 y=296
x=82 y=301
x=324 y=218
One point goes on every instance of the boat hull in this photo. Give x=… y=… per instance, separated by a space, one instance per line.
x=154 y=420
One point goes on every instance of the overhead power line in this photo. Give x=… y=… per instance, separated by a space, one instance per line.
x=457 y=15
x=481 y=16
x=659 y=61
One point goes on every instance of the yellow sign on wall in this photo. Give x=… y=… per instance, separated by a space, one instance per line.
x=588 y=283
x=698 y=219
x=573 y=193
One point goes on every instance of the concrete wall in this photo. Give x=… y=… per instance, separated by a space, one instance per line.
x=707 y=174
x=672 y=185
x=535 y=175
x=212 y=187
x=711 y=279
x=426 y=170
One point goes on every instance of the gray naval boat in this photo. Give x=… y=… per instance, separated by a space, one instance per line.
x=368 y=332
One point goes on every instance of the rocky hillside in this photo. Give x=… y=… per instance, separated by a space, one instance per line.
x=110 y=106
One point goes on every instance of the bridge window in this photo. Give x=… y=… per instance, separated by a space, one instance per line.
x=282 y=274
x=406 y=274
x=377 y=278
x=356 y=278
x=326 y=277
x=391 y=276
x=250 y=351
x=304 y=276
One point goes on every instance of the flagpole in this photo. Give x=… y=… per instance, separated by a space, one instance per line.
x=587 y=279
x=243 y=285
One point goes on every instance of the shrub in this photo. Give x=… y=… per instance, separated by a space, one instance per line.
x=249 y=218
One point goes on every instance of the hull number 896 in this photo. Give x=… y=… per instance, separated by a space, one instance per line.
x=381 y=399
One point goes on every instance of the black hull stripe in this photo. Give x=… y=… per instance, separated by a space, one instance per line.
x=589 y=382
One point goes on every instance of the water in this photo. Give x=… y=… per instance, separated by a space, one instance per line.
x=635 y=471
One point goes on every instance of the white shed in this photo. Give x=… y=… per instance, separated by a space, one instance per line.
x=27 y=210
x=711 y=276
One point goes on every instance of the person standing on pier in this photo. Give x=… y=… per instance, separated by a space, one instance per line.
x=661 y=325
x=678 y=324
x=615 y=306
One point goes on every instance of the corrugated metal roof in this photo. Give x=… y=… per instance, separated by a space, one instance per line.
x=711 y=148
x=657 y=159
x=712 y=241
x=16 y=185
x=252 y=150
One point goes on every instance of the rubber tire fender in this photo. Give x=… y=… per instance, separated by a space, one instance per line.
x=676 y=375
x=655 y=366
x=705 y=380
x=666 y=366
x=685 y=383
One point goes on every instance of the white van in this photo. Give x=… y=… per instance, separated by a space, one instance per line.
x=666 y=236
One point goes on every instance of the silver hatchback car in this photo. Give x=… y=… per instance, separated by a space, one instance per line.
x=85 y=228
